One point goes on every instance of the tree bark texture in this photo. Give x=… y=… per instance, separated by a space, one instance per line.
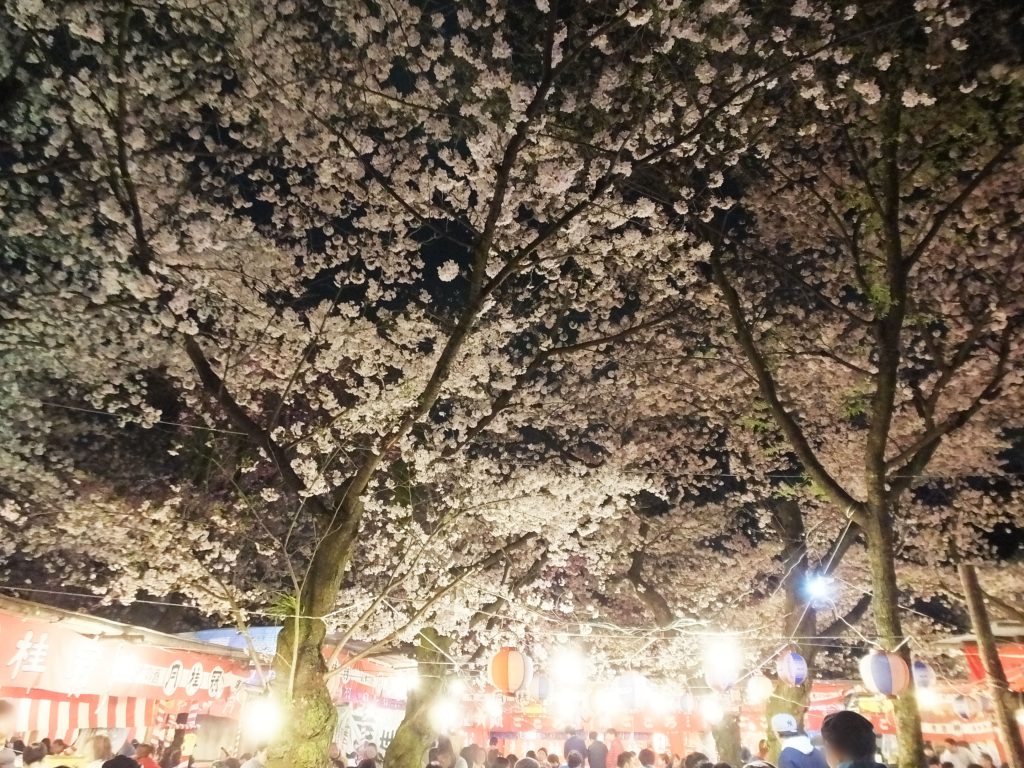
x=799 y=621
x=727 y=739
x=300 y=670
x=890 y=631
x=995 y=676
x=416 y=732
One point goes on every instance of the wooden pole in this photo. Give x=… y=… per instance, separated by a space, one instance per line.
x=1009 y=731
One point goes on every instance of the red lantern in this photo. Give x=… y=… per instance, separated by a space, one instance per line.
x=511 y=671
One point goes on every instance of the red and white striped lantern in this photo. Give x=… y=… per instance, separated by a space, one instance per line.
x=511 y=671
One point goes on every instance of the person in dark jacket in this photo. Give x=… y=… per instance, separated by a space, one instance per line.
x=574 y=743
x=797 y=750
x=849 y=740
x=597 y=752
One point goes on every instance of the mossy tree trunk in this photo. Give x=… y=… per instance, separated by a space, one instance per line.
x=727 y=739
x=300 y=669
x=890 y=631
x=416 y=732
x=995 y=675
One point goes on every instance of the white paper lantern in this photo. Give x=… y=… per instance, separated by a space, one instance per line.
x=759 y=689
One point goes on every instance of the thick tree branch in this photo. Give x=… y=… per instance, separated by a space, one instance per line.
x=890 y=312
x=654 y=601
x=502 y=401
x=215 y=388
x=912 y=459
x=840 y=547
x=459 y=575
x=769 y=391
x=843 y=623
x=955 y=204
x=490 y=611
x=1015 y=612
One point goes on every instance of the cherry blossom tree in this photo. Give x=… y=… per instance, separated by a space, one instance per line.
x=358 y=302
x=870 y=277
x=350 y=241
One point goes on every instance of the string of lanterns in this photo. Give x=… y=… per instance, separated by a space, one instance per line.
x=884 y=673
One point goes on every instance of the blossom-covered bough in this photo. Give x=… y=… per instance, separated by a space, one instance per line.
x=353 y=314
x=327 y=249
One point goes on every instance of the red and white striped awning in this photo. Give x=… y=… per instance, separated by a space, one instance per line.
x=60 y=718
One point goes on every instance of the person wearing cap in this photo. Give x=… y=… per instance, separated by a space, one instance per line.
x=797 y=750
x=849 y=740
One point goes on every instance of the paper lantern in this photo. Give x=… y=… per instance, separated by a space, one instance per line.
x=687 y=703
x=965 y=707
x=723 y=661
x=885 y=672
x=759 y=689
x=540 y=687
x=924 y=675
x=510 y=671
x=632 y=689
x=721 y=679
x=791 y=667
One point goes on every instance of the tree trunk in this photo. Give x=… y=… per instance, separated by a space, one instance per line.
x=791 y=699
x=799 y=620
x=308 y=713
x=890 y=631
x=1009 y=731
x=416 y=732
x=727 y=739
x=300 y=686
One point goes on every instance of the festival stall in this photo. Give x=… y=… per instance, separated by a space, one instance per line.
x=1011 y=655
x=369 y=693
x=67 y=673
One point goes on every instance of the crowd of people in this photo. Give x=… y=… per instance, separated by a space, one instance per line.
x=848 y=740
x=958 y=754
x=98 y=752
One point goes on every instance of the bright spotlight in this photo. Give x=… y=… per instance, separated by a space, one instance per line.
x=928 y=698
x=606 y=702
x=568 y=666
x=493 y=708
x=659 y=701
x=445 y=715
x=711 y=710
x=723 y=652
x=262 y=719
x=819 y=588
